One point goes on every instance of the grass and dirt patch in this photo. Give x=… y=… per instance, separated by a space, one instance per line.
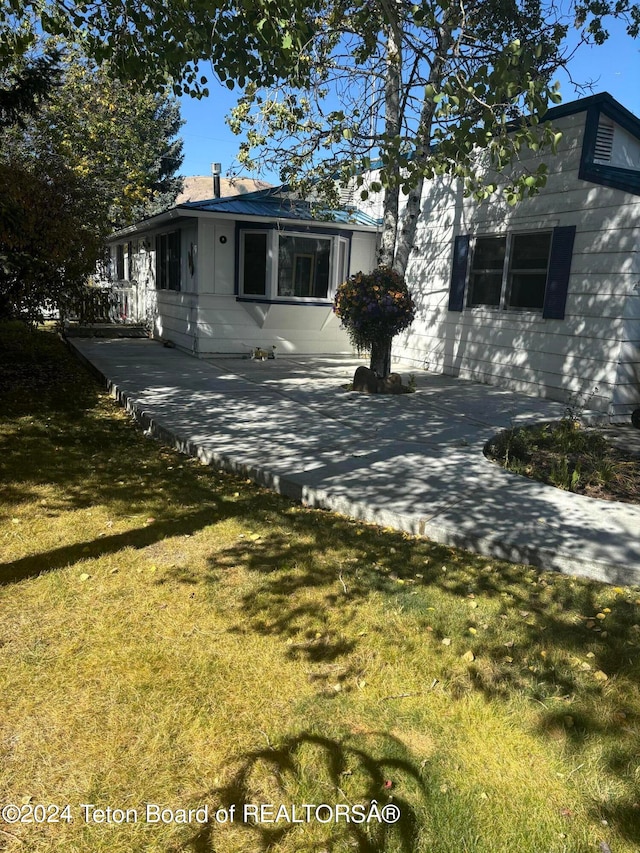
x=566 y=455
x=176 y=636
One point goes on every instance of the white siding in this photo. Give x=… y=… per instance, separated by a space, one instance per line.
x=363 y=253
x=231 y=327
x=225 y=325
x=205 y=317
x=626 y=149
x=594 y=353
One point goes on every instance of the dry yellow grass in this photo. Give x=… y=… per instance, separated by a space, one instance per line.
x=173 y=636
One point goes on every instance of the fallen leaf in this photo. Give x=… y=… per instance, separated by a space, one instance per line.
x=469 y=656
x=446 y=641
x=600 y=676
x=84 y=576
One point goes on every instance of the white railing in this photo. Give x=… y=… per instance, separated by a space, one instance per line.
x=125 y=307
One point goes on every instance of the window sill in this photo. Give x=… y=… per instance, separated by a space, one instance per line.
x=496 y=309
x=264 y=300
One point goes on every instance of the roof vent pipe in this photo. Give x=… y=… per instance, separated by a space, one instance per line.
x=216 y=168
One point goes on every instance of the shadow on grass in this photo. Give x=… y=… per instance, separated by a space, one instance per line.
x=95 y=458
x=312 y=769
x=37 y=564
x=546 y=639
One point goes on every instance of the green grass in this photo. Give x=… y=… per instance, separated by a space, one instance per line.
x=177 y=636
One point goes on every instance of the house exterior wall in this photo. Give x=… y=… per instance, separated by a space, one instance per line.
x=229 y=326
x=588 y=359
x=205 y=317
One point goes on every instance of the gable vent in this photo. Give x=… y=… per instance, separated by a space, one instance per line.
x=604 y=142
x=347 y=196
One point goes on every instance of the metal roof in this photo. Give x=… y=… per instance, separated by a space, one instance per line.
x=274 y=204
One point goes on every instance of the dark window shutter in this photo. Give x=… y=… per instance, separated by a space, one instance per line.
x=555 y=294
x=459 y=272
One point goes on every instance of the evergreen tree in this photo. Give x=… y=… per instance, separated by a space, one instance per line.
x=119 y=139
x=89 y=155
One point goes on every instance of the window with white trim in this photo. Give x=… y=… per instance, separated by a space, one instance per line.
x=290 y=265
x=510 y=271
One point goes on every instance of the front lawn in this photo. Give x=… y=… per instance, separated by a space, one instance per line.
x=173 y=638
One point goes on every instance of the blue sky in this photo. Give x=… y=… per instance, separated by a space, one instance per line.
x=613 y=67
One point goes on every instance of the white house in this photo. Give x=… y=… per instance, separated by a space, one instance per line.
x=227 y=275
x=543 y=297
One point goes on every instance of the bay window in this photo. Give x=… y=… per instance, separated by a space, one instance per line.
x=291 y=266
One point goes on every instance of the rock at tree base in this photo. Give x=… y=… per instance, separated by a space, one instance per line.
x=366 y=381
x=391 y=384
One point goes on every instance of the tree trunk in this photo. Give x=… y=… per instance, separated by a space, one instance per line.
x=406 y=237
x=381 y=357
x=392 y=127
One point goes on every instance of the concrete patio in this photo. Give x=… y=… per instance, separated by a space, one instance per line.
x=413 y=462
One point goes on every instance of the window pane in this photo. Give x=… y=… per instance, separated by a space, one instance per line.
x=530 y=251
x=174 y=260
x=486 y=288
x=254 y=279
x=119 y=261
x=303 y=266
x=528 y=270
x=161 y=261
x=487 y=269
x=527 y=290
x=489 y=253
